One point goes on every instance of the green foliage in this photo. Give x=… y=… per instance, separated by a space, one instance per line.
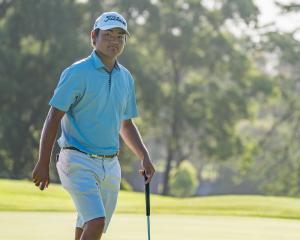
x=125 y=185
x=35 y=47
x=276 y=164
x=203 y=92
x=195 y=66
x=246 y=10
x=184 y=181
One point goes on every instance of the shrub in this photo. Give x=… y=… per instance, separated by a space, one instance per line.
x=184 y=181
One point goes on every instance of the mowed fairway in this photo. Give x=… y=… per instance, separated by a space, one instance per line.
x=59 y=226
x=29 y=214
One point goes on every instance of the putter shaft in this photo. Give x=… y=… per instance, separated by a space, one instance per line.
x=147 y=196
x=148 y=223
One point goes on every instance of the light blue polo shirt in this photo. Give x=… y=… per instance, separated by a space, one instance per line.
x=95 y=101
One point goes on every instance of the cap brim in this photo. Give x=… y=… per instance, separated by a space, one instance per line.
x=114 y=26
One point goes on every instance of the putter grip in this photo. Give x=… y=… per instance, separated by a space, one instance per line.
x=147 y=195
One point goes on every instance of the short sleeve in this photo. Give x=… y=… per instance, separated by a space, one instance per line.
x=68 y=91
x=131 y=107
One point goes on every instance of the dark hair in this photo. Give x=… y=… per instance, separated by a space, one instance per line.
x=97 y=31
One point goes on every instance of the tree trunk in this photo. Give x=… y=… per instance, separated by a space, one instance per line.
x=172 y=146
x=167 y=172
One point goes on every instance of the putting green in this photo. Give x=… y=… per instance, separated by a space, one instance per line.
x=59 y=226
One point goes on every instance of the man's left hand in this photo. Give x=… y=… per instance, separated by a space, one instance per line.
x=147 y=169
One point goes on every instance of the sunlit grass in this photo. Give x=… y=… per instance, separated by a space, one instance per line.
x=60 y=226
x=24 y=196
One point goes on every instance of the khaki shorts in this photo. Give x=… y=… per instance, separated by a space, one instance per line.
x=93 y=184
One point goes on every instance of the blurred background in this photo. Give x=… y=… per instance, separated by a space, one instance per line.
x=217 y=83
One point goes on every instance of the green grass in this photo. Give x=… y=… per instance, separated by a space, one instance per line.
x=50 y=215
x=60 y=226
x=24 y=196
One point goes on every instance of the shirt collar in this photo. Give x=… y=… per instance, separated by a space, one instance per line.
x=98 y=62
x=117 y=65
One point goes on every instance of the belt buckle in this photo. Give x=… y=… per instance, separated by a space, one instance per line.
x=93 y=155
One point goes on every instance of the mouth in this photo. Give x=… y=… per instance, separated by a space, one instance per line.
x=114 y=48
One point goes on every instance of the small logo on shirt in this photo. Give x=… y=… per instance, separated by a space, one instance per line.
x=114 y=18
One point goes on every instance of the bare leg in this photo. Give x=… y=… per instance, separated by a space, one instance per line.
x=93 y=229
x=78 y=233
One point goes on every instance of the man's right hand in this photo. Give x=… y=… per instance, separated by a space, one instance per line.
x=40 y=175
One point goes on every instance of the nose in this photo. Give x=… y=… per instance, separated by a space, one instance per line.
x=114 y=39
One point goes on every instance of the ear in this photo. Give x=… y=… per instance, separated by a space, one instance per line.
x=93 y=35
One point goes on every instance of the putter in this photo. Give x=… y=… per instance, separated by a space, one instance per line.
x=147 y=195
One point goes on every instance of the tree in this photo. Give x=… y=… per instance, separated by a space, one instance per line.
x=35 y=47
x=277 y=164
x=193 y=66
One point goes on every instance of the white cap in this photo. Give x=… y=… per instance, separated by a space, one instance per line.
x=110 y=20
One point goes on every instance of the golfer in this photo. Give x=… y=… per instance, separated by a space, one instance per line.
x=94 y=102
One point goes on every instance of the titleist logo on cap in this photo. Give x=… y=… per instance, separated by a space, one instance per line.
x=114 y=18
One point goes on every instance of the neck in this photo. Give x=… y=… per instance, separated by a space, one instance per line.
x=107 y=61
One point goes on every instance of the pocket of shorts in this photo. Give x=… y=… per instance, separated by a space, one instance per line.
x=64 y=162
x=118 y=169
x=119 y=173
x=113 y=178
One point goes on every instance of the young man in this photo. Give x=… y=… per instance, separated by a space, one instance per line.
x=94 y=102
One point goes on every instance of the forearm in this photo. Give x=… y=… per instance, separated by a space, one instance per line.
x=133 y=140
x=48 y=137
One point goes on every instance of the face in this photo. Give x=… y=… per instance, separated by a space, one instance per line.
x=110 y=42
